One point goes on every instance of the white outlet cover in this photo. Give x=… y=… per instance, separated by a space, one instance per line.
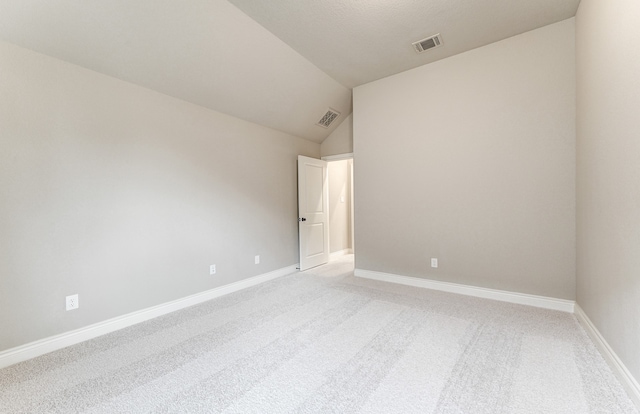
x=434 y=262
x=212 y=269
x=72 y=302
x=257 y=259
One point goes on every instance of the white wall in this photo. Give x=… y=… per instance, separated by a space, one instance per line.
x=339 y=205
x=126 y=196
x=471 y=159
x=608 y=177
x=340 y=141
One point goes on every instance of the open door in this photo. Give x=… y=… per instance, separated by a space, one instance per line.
x=313 y=212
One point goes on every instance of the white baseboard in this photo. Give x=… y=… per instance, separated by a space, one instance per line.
x=501 y=295
x=340 y=253
x=620 y=370
x=54 y=343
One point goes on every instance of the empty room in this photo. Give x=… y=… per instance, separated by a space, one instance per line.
x=295 y=206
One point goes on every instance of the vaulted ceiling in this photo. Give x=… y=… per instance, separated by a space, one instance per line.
x=278 y=63
x=359 y=41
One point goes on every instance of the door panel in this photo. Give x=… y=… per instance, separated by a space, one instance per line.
x=313 y=212
x=315 y=237
x=314 y=182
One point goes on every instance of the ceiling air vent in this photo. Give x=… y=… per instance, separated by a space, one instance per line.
x=328 y=118
x=428 y=43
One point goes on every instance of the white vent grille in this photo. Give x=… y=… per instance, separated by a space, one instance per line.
x=428 y=43
x=328 y=118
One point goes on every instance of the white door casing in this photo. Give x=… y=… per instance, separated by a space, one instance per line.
x=313 y=212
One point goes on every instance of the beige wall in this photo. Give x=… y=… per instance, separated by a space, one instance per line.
x=126 y=196
x=608 y=177
x=340 y=141
x=339 y=205
x=471 y=160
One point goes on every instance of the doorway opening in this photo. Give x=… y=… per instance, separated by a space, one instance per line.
x=341 y=237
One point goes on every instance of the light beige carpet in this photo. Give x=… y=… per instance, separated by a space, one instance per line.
x=323 y=341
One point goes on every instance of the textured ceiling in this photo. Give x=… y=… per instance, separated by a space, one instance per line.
x=359 y=41
x=204 y=51
x=277 y=63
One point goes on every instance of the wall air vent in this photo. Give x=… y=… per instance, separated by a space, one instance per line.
x=428 y=43
x=328 y=118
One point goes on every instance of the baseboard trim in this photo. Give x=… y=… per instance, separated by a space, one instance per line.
x=340 y=253
x=479 y=292
x=619 y=369
x=34 y=349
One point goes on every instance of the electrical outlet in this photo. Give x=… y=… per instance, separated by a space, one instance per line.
x=434 y=262
x=72 y=302
x=212 y=269
x=257 y=259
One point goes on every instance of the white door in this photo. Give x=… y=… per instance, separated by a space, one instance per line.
x=313 y=212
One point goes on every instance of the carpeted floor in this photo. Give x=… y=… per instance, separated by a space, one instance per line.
x=323 y=341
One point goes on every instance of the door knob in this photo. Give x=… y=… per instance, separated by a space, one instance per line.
x=302 y=219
